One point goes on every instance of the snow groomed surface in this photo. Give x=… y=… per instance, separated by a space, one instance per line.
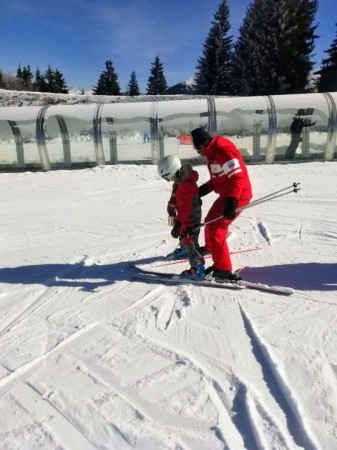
x=91 y=358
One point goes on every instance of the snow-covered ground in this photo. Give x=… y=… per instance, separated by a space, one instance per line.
x=91 y=358
x=75 y=97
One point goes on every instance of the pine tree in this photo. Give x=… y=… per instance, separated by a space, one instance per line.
x=39 y=84
x=19 y=73
x=251 y=74
x=52 y=81
x=60 y=86
x=295 y=49
x=156 y=84
x=132 y=87
x=24 y=78
x=27 y=78
x=213 y=75
x=49 y=78
x=331 y=61
x=19 y=79
x=108 y=81
x=272 y=53
x=328 y=72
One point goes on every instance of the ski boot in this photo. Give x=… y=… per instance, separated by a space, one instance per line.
x=221 y=276
x=194 y=273
x=179 y=253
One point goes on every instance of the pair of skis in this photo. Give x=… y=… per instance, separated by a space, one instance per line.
x=156 y=277
x=171 y=278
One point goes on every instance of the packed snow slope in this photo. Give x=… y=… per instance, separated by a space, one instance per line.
x=91 y=358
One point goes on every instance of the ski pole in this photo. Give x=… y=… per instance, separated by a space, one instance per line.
x=294 y=188
x=207 y=223
x=233 y=252
x=276 y=194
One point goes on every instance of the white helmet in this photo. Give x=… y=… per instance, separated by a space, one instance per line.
x=168 y=167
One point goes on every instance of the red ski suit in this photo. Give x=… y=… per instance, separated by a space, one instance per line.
x=187 y=200
x=229 y=178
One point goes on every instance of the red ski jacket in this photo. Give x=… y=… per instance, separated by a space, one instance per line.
x=187 y=199
x=229 y=176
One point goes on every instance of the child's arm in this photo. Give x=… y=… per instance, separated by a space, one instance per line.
x=171 y=206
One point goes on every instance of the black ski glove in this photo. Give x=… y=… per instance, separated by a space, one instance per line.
x=175 y=229
x=230 y=208
x=203 y=190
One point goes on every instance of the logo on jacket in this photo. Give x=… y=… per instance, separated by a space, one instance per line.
x=232 y=167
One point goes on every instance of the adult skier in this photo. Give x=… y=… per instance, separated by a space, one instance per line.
x=296 y=128
x=230 y=180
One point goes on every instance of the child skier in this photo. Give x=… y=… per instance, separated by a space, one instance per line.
x=179 y=252
x=187 y=209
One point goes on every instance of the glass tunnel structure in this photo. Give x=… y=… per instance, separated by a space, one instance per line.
x=266 y=129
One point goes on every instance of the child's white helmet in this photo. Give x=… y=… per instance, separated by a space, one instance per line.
x=168 y=167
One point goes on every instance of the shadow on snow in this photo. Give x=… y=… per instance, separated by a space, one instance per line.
x=306 y=276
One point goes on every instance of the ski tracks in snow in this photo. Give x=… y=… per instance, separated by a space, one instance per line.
x=239 y=404
x=45 y=294
x=187 y=378
x=280 y=390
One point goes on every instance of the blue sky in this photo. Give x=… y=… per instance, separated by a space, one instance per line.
x=78 y=36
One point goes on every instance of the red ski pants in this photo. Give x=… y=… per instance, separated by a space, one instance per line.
x=216 y=233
